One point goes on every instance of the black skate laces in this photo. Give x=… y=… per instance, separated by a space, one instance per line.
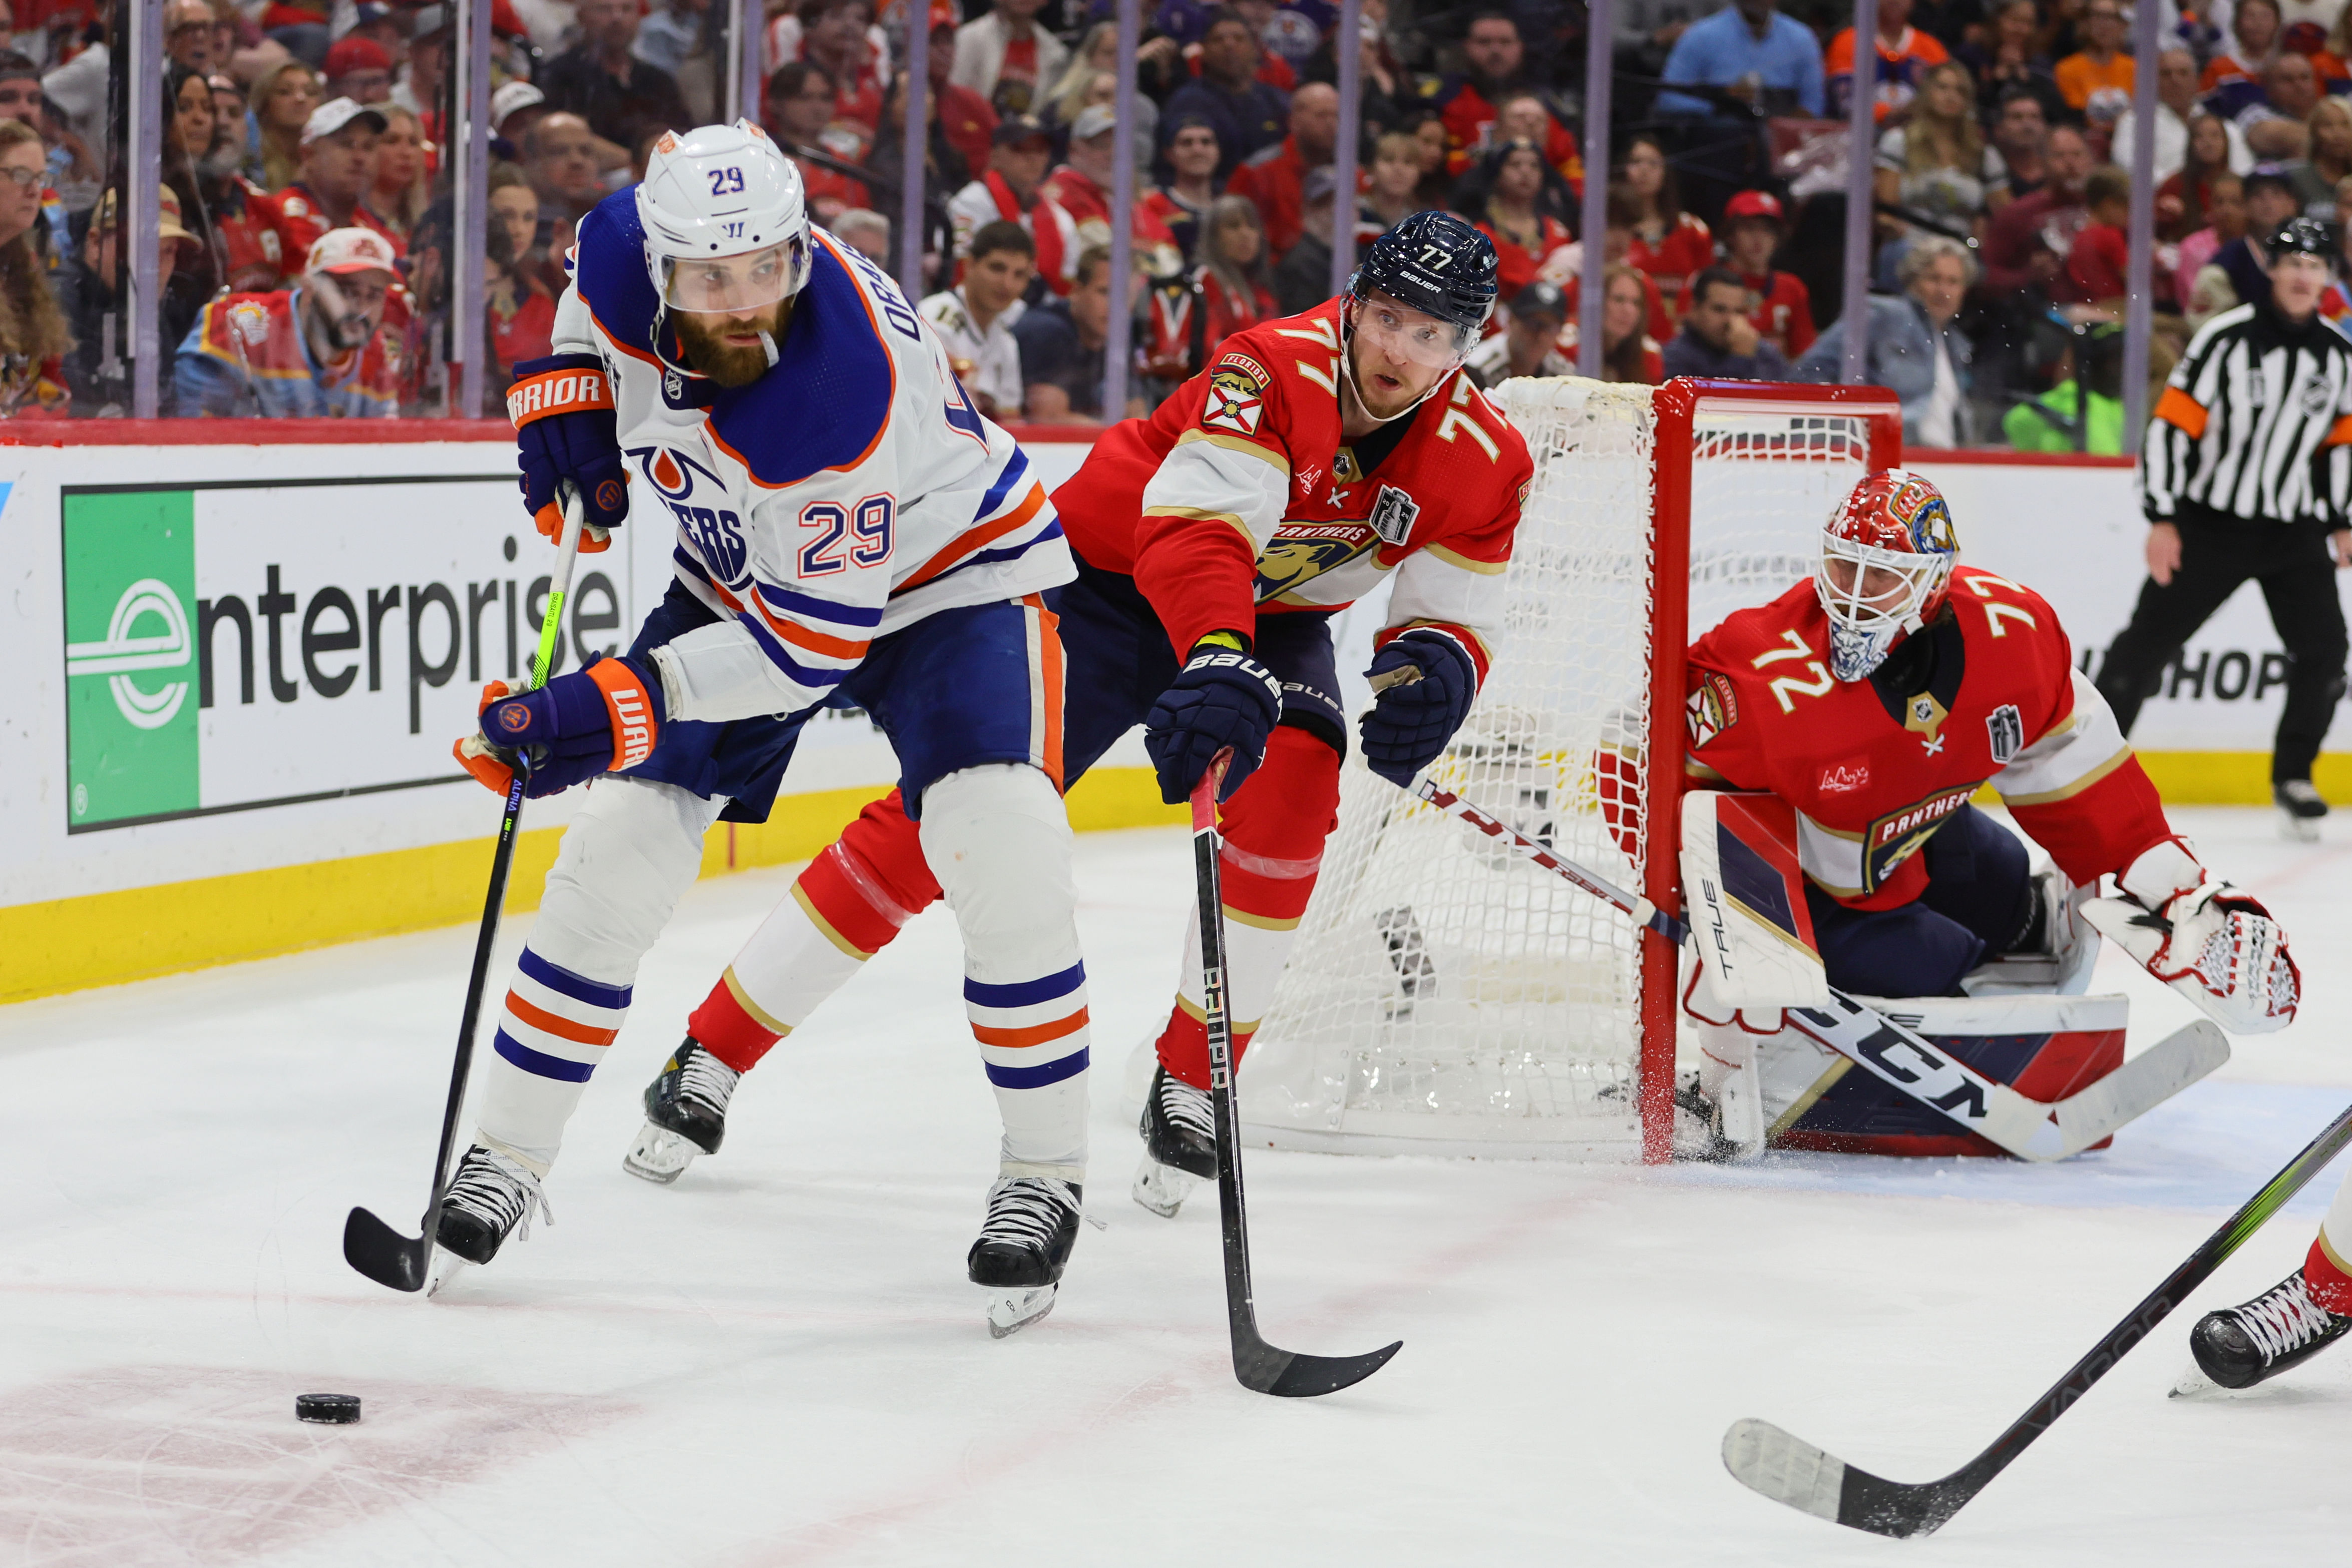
x=1025 y=1211
x=1191 y=1109
x=703 y=1077
x=497 y=1191
x=2282 y=1318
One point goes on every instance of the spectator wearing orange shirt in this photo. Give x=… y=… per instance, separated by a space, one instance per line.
x=1903 y=53
x=1275 y=178
x=1667 y=243
x=2253 y=44
x=2098 y=79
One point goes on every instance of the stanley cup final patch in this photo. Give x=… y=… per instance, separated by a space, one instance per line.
x=2006 y=730
x=1236 y=401
x=1393 y=514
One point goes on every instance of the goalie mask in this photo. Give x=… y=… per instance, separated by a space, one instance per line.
x=725 y=224
x=1887 y=555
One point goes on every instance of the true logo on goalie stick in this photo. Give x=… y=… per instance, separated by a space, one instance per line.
x=1712 y=709
x=1393 y=514
x=1236 y=402
x=2006 y=730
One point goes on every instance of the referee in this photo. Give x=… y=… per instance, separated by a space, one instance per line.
x=2246 y=471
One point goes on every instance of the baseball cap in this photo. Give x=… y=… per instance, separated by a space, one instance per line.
x=337 y=112
x=350 y=250
x=356 y=54
x=1092 y=121
x=1753 y=204
x=169 y=228
x=1540 y=299
x=514 y=96
x=1015 y=129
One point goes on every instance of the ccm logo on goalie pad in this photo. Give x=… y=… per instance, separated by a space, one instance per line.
x=1236 y=402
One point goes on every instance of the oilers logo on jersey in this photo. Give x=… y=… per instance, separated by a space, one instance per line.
x=715 y=532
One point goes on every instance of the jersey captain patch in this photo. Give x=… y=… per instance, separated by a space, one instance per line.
x=1236 y=401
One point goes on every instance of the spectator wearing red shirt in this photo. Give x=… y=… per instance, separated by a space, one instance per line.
x=1276 y=178
x=2095 y=263
x=1229 y=290
x=1183 y=201
x=1669 y=243
x=1778 y=307
x=1627 y=352
x=1468 y=105
x=1525 y=117
x=1515 y=218
x=1566 y=267
x=1081 y=188
x=1007 y=58
x=2019 y=252
x=800 y=103
x=1903 y=53
x=965 y=118
x=834 y=38
x=338 y=167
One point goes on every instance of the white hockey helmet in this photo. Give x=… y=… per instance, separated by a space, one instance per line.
x=725 y=196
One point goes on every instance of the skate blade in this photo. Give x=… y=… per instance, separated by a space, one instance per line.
x=659 y=1154
x=2299 y=829
x=2194 y=1385
x=446 y=1266
x=1163 y=1189
x=1010 y=1312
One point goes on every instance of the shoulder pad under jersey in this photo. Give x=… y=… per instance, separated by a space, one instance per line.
x=608 y=269
x=825 y=402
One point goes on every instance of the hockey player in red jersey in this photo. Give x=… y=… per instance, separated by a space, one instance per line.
x=1877 y=699
x=1318 y=454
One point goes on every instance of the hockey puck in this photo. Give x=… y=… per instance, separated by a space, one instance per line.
x=335 y=1409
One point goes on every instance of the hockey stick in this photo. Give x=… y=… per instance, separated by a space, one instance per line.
x=1259 y=1365
x=370 y=1246
x=1896 y=1054
x=1765 y=1459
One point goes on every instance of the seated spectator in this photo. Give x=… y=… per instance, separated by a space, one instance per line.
x=1528 y=344
x=1276 y=177
x=1566 y=266
x=283 y=99
x=317 y=349
x=867 y=233
x=34 y=336
x=1525 y=219
x=800 y=104
x=1936 y=163
x=2274 y=121
x=1717 y=339
x=2252 y=46
x=514 y=206
x=1428 y=133
x=1778 y=307
x=2177 y=108
x=1184 y=199
x=2181 y=198
x=559 y=154
x=514 y=110
x=2245 y=261
x=1009 y=60
x=2098 y=80
x=1064 y=345
x=2223 y=217
x=2329 y=131
x=360 y=69
x=1525 y=117
x=838 y=36
x=1469 y=104
x=1904 y=55
x=975 y=319
x=1097 y=57
x=1394 y=181
x=1668 y=242
x=338 y=168
x=2095 y=263
x=1226 y=291
x=520 y=312
x=2059 y=421
x=1627 y=352
x=2019 y=135
x=2026 y=244
x=85 y=296
x=1302 y=278
x=669 y=33
x=1746 y=49
x=401 y=188
x=1083 y=184
x=1246 y=114
x=1916 y=348
x=620 y=96
x=1008 y=191
x=191 y=39
x=2010 y=63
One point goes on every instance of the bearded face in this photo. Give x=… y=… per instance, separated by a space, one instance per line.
x=729 y=348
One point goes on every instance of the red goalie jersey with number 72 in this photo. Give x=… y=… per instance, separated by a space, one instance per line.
x=1874 y=767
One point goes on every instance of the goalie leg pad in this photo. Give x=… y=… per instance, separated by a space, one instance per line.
x=999 y=842
x=1748 y=916
x=633 y=848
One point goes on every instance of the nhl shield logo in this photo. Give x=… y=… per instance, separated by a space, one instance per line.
x=2006 y=730
x=1393 y=514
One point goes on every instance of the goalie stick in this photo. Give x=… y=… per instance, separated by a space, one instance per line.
x=1260 y=1366
x=1890 y=1050
x=370 y=1246
x=1765 y=1459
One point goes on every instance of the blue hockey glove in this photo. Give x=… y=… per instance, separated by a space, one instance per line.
x=566 y=433
x=589 y=721
x=1221 y=697
x=1410 y=722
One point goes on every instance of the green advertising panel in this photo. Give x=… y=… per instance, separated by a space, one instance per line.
x=131 y=668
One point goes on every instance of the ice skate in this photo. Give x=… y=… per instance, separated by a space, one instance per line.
x=492 y=1197
x=2239 y=1347
x=1180 y=1144
x=2300 y=809
x=685 y=1114
x=1024 y=1243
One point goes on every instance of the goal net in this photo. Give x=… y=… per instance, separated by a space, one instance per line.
x=1445 y=997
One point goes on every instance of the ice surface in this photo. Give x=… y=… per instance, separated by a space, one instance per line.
x=778 y=1360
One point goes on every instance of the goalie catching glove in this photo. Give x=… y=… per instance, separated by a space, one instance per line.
x=594 y=720
x=566 y=433
x=2202 y=937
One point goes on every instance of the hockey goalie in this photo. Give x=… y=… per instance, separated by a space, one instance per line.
x=1835 y=738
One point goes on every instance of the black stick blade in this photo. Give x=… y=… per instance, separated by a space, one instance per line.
x=382 y=1253
x=1262 y=1369
x=1767 y=1460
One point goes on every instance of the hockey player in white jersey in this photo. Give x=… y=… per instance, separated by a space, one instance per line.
x=850 y=532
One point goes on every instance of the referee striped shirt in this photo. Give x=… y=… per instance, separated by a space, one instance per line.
x=2255 y=424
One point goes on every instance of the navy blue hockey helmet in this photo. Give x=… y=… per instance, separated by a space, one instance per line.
x=1434 y=262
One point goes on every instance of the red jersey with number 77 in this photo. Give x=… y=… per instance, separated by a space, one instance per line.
x=1241 y=497
x=1874 y=767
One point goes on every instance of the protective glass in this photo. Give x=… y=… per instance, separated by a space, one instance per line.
x=718 y=284
x=1413 y=336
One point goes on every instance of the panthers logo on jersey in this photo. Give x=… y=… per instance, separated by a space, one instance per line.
x=1301 y=551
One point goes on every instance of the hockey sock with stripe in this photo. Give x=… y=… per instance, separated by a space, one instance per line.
x=2327 y=1271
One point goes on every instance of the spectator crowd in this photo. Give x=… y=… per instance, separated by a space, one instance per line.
x=307 y=255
